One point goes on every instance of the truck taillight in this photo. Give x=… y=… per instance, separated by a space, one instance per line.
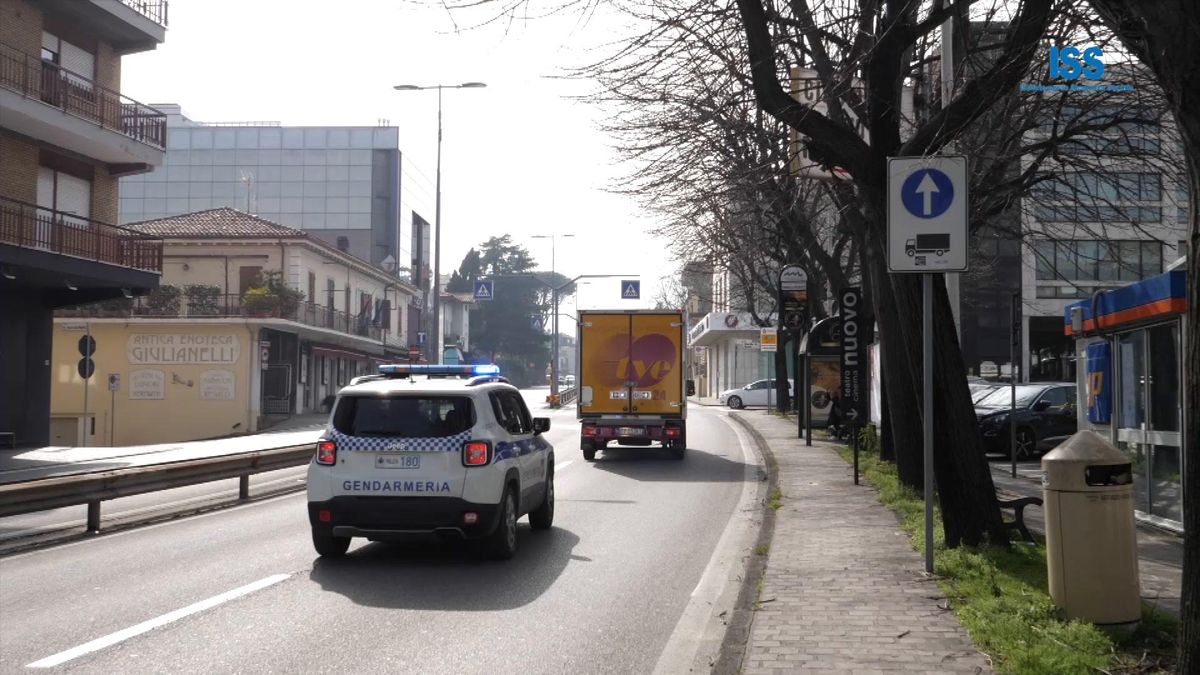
x=326 y=452
x=476 y=453
x=672 y=432
x=590 y=431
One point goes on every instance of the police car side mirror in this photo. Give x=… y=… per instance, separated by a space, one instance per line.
x=541 y=425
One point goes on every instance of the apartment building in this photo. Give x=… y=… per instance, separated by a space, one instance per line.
x=253 y=322
x=348 y=186
x=67 y=134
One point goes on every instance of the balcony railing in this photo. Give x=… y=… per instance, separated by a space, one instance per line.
x=155 y=10
x=32 y=226
x=76 y=95
x=230 y=306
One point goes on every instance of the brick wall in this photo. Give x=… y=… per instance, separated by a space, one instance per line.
x=108 y=67
x=21 y=26
x=104 y=196
x=18 y=168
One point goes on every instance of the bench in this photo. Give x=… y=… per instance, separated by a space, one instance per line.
x=1018 y=523
x=12 y=438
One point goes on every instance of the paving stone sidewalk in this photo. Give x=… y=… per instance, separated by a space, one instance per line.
x=844 y=591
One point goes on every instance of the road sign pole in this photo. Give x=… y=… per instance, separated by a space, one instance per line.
x=87 y=356
x=927 y=411
x=1012 y=382
x=796 y=399
x=808 y=423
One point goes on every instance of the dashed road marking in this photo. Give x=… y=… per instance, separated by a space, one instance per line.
x=562 y=465
x=157 y=622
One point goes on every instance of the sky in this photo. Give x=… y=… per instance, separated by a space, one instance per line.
x=518 y=157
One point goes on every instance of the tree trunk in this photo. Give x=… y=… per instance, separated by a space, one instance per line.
x=970 y=512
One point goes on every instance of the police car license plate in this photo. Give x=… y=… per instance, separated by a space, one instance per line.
x=397 y=461
x=630 y=431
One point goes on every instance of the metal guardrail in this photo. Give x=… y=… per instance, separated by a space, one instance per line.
x=57 y=492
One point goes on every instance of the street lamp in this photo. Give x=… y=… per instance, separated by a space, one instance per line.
x=436 y=333
x=554 y=321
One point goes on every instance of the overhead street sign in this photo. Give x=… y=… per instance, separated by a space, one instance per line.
x=927 y=214
x=631 y=289
x=484 y=289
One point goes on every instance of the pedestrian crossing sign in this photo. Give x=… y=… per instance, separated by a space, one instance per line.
x=484 y=289
x=631 y=289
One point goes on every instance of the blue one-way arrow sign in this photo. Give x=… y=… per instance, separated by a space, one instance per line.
x=631 y=289
x=927 y=214
x=927 y=193
x=484 y=289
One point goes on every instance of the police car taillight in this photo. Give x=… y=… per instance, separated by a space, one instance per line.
x=476 y=453
x=326 y=452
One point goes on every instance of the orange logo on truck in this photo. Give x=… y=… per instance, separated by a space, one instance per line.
x=646 y=362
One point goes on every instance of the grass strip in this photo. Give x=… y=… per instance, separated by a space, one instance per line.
x=1000 y=596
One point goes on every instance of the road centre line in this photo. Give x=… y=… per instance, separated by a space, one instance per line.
x=157 y=622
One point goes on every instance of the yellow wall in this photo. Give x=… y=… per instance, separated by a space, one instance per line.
x=178 y=380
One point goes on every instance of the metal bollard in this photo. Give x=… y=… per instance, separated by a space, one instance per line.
x=244 y=487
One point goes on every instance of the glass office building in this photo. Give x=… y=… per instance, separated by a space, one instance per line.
x=341 y=184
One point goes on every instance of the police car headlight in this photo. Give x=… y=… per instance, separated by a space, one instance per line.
x=326 y=452
x=476 y=453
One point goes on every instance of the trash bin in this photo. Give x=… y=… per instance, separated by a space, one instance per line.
x=1091 y=539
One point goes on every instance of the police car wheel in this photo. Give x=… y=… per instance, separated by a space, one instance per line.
x=501 y=544
x=542 y=517
x=589 y=454
x=330 y=546
x=735 y=402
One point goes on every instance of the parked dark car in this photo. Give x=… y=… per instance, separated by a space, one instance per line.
x=1045 y=414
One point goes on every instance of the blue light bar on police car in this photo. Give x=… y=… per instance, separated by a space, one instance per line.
x=405 y=370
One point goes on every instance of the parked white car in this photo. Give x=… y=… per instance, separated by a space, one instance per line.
x=754 y=395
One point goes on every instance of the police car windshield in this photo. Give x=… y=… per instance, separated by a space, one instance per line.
x=404 y=416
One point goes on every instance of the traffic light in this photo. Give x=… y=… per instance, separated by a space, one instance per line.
x=87 y=347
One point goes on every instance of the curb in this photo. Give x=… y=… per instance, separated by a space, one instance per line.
x=737 y=634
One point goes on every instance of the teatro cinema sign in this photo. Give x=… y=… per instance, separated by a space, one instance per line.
x=182 y=349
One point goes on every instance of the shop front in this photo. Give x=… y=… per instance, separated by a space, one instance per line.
x=1132 y=342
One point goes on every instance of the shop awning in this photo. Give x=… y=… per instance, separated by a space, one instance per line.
x=1149 y=299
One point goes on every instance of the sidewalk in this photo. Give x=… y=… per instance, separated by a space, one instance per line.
x=844 y=591
x=33 y=463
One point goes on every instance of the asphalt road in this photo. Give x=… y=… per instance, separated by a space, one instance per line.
x=241 y=589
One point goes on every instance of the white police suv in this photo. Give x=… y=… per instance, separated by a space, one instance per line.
x=444 y=450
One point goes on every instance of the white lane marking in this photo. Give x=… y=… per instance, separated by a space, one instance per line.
x=157 y=622
x=562 y=465
x=698 y=633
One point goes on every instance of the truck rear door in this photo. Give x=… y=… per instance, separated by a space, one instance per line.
x=603 y=343
x=654 y=367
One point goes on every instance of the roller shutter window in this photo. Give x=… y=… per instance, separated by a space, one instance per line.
x=66 y=194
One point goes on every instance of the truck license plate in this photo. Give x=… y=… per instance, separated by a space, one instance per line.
x=397 y=461
x=630 y=431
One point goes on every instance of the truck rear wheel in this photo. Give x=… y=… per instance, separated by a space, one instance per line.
x=589 y=454
x=678 y=449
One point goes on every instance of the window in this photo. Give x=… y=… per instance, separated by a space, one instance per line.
x=64 y=192
x=247 y=277
x=511 y=412
x=1056 y=397
x=404 y=416
x=1092 y=260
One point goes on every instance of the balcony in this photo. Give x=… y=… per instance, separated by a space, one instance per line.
x=43 y=101
x=130 y=26
x=33 y=227
x=168 y=305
